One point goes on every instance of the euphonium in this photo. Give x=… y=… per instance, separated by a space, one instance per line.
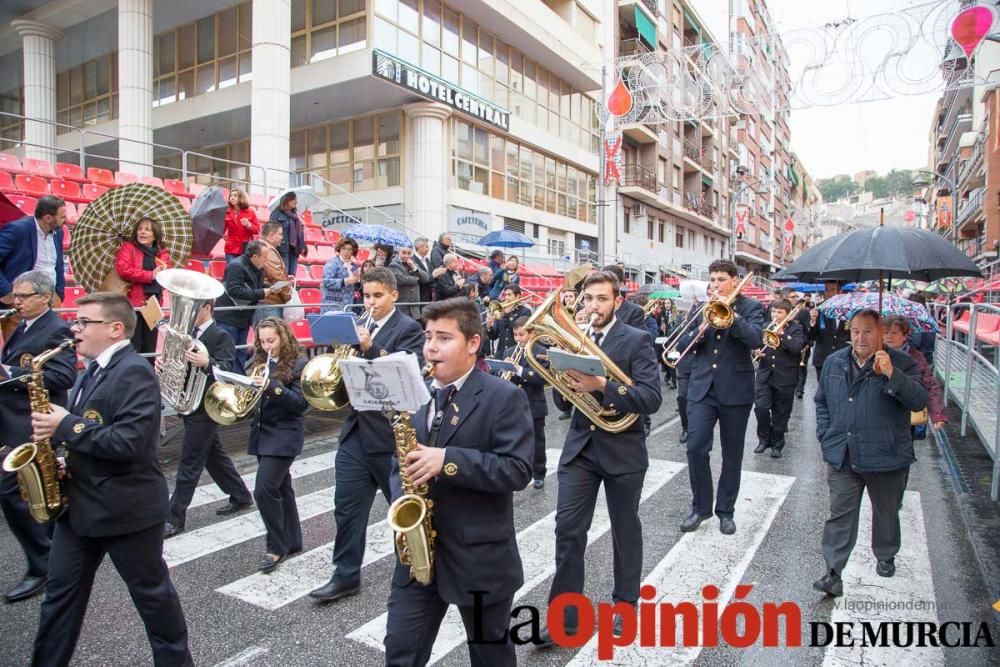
x=181 y=384
x=772 y=334
x=322 y=383
x=553 y=322
x=410 y=515
x=227 y=403
x=35 y=462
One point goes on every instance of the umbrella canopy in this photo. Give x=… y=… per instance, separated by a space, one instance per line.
x=947 y=286
x=378 y=234
x=669 y=293
x=872 y=253
x=111 y=219
x=9 y=212
x=305 y=195
x=208 y=220
x=843 y=307
x=505 y=238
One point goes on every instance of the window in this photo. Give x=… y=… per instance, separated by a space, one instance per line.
x=679 y=237
x=627 y=221
x=11 y=129
x=650 y=223
x=88 y=94
x=323 y=29
x=557 y=247
x=662 y=226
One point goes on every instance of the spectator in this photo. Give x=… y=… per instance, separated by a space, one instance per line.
x=340 y=276
x=274 y=272
x=442 y=247
x=383 y=254
x=483 y=281
x=496 y=269
x=241 y=225
x=409 y=275
x=826 y=334
x=895 y=334
x=509 y=275
x=293 y=238
x=359 y=296
x=422 y=258
x=863 y=408
x=244 y=283
x=138 y=262
x=449 y=281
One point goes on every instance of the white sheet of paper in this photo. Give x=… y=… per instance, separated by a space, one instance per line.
x=233 y=378
x=393 y=381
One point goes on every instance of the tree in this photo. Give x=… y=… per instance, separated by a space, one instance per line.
x=837 y=188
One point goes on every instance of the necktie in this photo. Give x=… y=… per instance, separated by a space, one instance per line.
x=597 y=338
x=442 y=397
x=373 y=329
x=85 y=383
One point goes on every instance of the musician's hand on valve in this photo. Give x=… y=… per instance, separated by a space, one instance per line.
x=424 y=464
x=44 y=424
x=197 y=357
x=158 y=365
x=257 y=381
x=586 y=383
x=61 y=472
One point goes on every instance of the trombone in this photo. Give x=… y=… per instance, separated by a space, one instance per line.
x=772 y=334
x=496 y=308
x=650 y=305
x=718 y=314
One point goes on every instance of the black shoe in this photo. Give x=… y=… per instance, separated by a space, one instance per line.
x=233 y=508
x=564 y=416
x=726 y=525
x=799 y=394
x=886 y=568
x=645 y=429
x=673 y=385
x=28 y=587
x=775 y=453
x=171 y=529
x=684 y=437
x=830 y=584
x=618 y=627
x=333 y=591
x=693 y=521
x=538 y=484
x=269 y=563
x=760 y=448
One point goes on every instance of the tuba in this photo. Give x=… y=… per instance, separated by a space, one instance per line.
x=772 y=334
x=554 y=323
x=227 y=403
x=35 y=462
x=181 y=384
x=322 y=383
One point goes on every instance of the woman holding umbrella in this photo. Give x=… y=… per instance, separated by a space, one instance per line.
x=242 y=225
x=138 y=262
x=293 y=243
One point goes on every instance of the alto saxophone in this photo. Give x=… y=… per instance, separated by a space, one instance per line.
x=410 y=515
x=35 y=462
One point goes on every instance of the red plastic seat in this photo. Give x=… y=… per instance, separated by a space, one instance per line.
x=11 y=163
x=66 y=231
x=72 y=215
x=185 y=202
x=307 y=217
x=70 y=172
x=263 y=213
x=67 y=190
x=101 y=176
x=195 y=265
x=196 y=188
x=332 y=235
x=38 y=167
x=311 y=295
x=316 y=271
x=92 y=191
x=303 y=278
x=316 y=236
x=125 y=178
x=323 y=253
x=302 y=332
x=72 y=294
x=216 y=269
x=80 y=208
x=155 y=181
x=175 y=187
x=26 y=204
x=218 y=250
x=962 y=323
x=6 y=182
x=36 y=186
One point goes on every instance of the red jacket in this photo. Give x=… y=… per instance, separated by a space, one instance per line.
x=236 y=234
x=128 y=264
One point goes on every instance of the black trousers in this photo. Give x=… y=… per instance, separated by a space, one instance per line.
x=732 y=420
x=202 y=450
x=670 y=373
x=579 y=482
x=682 y=411
x=359 y=476
x=538 y=466
x=276 y=504
x=33 y=537
x=840 y=533
x=772 y=407
x=414 y=618
x=144 y=338
x=138 y=558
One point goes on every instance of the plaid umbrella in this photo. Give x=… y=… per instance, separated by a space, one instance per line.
x=843 y=307
x=111 y=219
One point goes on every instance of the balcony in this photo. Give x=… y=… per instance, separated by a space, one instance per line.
x=699 y=205
x=637 y=176
x=633 y=47
x=970 y=207
x=971 y=168
x=961 y=124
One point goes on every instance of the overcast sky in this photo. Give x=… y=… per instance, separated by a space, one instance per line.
x=847 y=139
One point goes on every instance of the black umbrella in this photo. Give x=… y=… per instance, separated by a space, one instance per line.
x=208 y=218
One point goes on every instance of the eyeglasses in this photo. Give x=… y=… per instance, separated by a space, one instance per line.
x=23 y=295
x=81 y=323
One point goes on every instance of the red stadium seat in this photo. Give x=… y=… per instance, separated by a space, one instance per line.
x=66 y=232
x=302 y=332
x=175 y=187
x=11 y=163
x=195 y=265
x=152 y=180
x=6 y=182
x=258 y=199
x=125 y=178
x=26 y=204
x=316 y=271
x=218 y=250
x=92 y=191
x=67 y=190
x=311 y=295
x=307 y=217
x=70 y=172
x=196 y=188
x=216 y=269
x=962 y=323
x=72 y=294
x=332 y=235
x=303 y=278
x=72 y=215
x=101 y=176
x=36 y=186
x=38 y=167
x=263 y=213
x=316 y=236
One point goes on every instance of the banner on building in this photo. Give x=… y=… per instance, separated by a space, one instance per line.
x=613 y=158
x=944 y=210
x=472 y=224
x=740 y=224
x=788 y=236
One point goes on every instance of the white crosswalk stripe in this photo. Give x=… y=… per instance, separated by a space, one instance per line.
x=210 y=493
x=537 y=546
x=305 y=572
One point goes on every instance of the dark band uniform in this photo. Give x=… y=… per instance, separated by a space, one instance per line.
x=202 y=449
x=803 y=319
x=777 y=377
x=117 y=506
x=364 y=456
x=533 y=385
x=827 y=336
x=487 y=457
x=721 y=389
x=502 y=330
x=631 y=314
x=592 y=456
x=45 y=333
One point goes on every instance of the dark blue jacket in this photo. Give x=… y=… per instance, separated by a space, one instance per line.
x=631 y=314
x=780 y=368
x=530 y=381
x=721 y=358
x=489 y=447
x=294 y=232
x=870 y=417
x=18 y=250
x=278 y=426
x=244 y=285
x=827 y=336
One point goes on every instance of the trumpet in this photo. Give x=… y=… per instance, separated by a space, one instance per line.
x=718 y=314
x=497 y=307
x=650 y=305
x=772 y=334
x=514 y=359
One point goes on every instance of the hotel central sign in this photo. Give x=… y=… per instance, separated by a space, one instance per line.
x=403 y=74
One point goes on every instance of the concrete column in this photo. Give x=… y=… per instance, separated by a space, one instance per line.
x=135 y=86
x=39 y=87
x=426 y=167
x=270 y=97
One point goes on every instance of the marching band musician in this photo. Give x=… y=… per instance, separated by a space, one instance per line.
x=533 y=385
x=776 y=379
x=201 y=448
x=794 y=298
x=827 y=334
x=473 y=454
x=40 y=330
x=117 y=492
x=721 y=389
x=628 y=312
x=277 y=433
x=592 y=456
x=502 y=330
x=365 y=448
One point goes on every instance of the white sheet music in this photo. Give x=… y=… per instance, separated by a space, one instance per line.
x=233 y=378
x=393 y=381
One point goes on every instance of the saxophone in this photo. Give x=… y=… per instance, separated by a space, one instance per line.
x=410 y=514
x=35 y=462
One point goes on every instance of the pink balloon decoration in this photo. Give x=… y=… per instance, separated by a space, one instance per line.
x=970 y=26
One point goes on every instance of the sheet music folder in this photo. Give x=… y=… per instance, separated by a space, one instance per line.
x=334 y=329
x=392 y=382
x=587 y=364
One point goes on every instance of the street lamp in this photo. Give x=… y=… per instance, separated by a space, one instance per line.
x=921 y=181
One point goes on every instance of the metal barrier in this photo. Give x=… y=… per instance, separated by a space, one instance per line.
x=972 y=380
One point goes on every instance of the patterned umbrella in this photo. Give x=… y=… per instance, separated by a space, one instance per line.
x=111 y=219
x=378 y=234
x=843 y=307
x=947 y=286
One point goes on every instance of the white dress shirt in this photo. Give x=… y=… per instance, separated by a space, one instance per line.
x=45 y=257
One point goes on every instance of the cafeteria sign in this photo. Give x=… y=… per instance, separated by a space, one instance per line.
x=393 y=69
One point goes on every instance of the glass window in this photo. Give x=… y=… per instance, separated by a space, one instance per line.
x=297 y=150
x=432 y=22
x=228 y=26
x=351 y=7
x=386 y=8
x=463 y=141
x=324 y=44
x=502 y=62
x=364 y=138
x=298 y=15
x=206 y=39
x=388 y=134
x=430 y=59
x=323 y=11
x=206 y=79
x=384 y=35
x=245 y=36
x=498 y=154
x=449 y=36
x=486 y=53
x=409 y=15
x=482 y=146
x=316 y=156
x=469 y=38
x=186 y=46
x=340 y=146
x=449 y=69
x=166 y=52
x=408 y=47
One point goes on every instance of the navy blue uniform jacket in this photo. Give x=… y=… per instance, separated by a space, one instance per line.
x=278 y=426
x=531 y=382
